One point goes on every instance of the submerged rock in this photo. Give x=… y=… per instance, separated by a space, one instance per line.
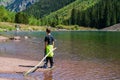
x=15 y=38
x=2 y=38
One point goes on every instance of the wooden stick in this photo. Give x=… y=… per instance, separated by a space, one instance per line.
x=34 y=68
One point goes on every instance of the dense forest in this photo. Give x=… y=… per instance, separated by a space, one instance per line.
x=45 y=7
x=88 y=13
x=20 y=17
x=103 y=14
x=63 y=15
x=91 y=13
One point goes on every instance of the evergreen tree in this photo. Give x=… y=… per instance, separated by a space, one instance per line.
x=103 y=14
x=21 y=18
x=73 y=16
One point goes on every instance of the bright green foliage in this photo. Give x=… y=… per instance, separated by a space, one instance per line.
x=45 y=7
x=89 y=13
x=34 y=21
x=65 y=13
x=6 y=15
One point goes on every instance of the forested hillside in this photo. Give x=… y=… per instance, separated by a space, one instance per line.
x=45 y=7
x=63 y=15
x=20 y=17
x=103 y=14
x=5 y=15
x=89 y=13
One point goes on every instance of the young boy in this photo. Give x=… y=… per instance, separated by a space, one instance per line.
x=49 y=44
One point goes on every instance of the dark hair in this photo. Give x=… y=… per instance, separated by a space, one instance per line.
x=48 y=30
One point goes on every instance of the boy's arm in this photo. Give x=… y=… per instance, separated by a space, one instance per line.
x=53 y=44
x=46 y=44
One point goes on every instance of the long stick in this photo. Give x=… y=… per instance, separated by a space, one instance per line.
x=32 y=69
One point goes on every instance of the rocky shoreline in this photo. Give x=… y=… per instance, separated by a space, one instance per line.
x=3 y=38
x=115 y=27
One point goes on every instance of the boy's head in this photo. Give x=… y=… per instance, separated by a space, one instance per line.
x=48 y=30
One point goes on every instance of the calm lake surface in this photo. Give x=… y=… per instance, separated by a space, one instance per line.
x=101 y=45
x=98 y=52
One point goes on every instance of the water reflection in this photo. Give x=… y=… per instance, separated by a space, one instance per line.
x=48 y=75
x=74 y=51
x=83 y=44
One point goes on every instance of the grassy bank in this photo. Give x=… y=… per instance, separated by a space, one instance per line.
x=73 y=27
x=6 y=26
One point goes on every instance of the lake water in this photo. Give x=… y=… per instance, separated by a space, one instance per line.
x=80 y=55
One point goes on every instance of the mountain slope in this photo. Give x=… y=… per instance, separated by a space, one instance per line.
x=17 y=5
x=81 y=5
x=6 y=2
x=62 y=15
x=20 y=5
x=45 y=7
x=89 y=13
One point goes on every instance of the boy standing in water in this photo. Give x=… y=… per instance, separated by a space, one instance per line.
x=49 y=44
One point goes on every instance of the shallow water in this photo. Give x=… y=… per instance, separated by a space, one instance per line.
x=80 y=55
x=72 y=70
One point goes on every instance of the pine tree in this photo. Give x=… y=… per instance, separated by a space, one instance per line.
x=21 y=18
x=73 y=16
